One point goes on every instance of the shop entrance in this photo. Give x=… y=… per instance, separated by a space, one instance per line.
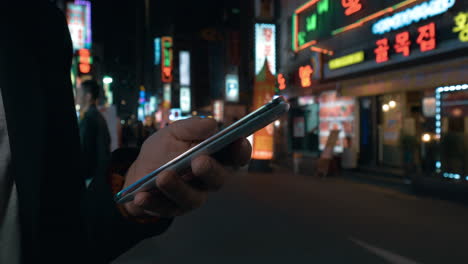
x=368 y=144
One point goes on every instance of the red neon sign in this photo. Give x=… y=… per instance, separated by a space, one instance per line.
x=84 y=61
x=427 y=37
x=352 y=6
x=281 y=81
x=166 y=66
x=304 y=73
x=403 y=43
x=381 y=51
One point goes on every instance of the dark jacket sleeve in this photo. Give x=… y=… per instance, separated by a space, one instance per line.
x=109 y=233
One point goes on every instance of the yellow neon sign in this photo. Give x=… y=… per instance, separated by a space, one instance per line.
x=461 y=22
x=347 y=60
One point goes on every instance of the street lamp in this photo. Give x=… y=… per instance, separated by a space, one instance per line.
x=107 y=80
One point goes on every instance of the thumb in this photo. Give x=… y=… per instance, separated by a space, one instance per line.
x=193 y=129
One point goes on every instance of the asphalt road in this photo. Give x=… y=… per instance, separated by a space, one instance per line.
x=286 y=218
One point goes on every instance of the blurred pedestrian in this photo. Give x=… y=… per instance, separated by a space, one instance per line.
x=94 y=133
x=148 y=127
x=46 y=213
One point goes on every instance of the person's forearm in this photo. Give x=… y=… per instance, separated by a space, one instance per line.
x=110 y=233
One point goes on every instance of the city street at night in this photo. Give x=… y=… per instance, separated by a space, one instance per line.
x=287 y=218
x=234 y=131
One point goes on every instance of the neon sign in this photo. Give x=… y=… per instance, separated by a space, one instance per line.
x=403 y=43
x=157 y=51
x=265 y=47
x=87 y=4
x=461 y=22
x=85 y=60
x=166 y=68
x=381 y=51
x=281 y=82
x=412 y=15
x=438 y=123
x=426 y=38
x=304 y=73
x=347 y=60
x=352 y=6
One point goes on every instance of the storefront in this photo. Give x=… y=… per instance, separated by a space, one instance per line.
x=388 y=58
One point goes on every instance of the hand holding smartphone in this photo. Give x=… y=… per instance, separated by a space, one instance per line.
x=240 y=129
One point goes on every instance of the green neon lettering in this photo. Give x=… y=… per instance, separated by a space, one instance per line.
x=323 y=6
x=301 y=38
x=311 y=22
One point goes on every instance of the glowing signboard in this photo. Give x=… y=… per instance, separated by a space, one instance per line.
x=412 y=15
x=184 y=67
x=167 y=95
x=321 y=19
x=281 y=82
x=167 y=54
x=352 y=6
x=76 y=18
x=346 y=60
x=265 y=47
x=185 y=99
x=157 y=51
x=88 y=33
x=461 y=23
x=402 y=43
x=305 y=73
x=427 y=37
x=232 y=87
x=381 y=52
x=218 y=110
x=85 y=60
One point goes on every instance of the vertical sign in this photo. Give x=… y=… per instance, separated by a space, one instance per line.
x=157 y=51
x=166 y=68
x=265 y=47
x=76 y=18
x=185 y=100
x=218 y=110
x=87 y=6
x=166 y=95
x=264 y=90
x=232 y=88
x=85 y=60
x=184 y=67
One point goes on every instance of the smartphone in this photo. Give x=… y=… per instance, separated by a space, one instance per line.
x=240 y=129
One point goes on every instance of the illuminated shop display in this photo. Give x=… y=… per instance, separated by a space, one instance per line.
x=336 y=113
x=347 y=60
x=412 y=15
x=265 y=47
x=167 y=59
x=456 y=107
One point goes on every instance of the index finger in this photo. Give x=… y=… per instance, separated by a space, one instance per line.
x=193 y=129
